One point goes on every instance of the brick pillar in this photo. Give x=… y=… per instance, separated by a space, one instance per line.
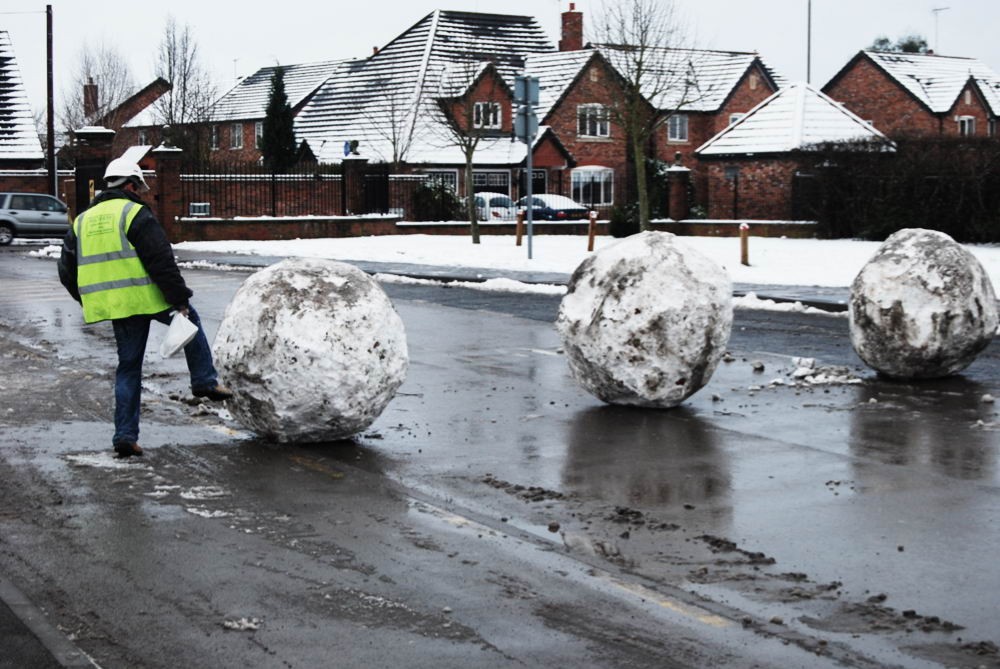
x=92 y=148
x=168 y=202
x=354 y=184
x=678 y=178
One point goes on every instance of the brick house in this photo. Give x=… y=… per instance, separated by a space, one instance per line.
x=753 y=166
x=133 y=120
x=919 y=94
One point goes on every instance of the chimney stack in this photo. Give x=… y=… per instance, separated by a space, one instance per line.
x=572 y=29
x=90 y=99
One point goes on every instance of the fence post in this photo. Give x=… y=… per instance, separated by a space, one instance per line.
x=678 y=178
x=169 y=196
x=745 y=244
x=519 y=227
x=591 y=230
x=93 y=152
x=354 y=184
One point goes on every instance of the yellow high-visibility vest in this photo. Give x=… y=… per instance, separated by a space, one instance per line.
x=112 y=280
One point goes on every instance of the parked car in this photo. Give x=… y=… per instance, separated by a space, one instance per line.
x=549 y=207
x=31 y=215
x=494 y=207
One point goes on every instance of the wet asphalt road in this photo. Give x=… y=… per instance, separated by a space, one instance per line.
x=496 y=514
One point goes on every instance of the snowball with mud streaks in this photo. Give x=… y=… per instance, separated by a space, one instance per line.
x=312 y=349
x=922 y=307
x=645 y=321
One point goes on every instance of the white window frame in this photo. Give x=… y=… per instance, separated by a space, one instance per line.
x=448 y=177
x=143 y=138
x=966 y=126
x=677 y=129
x=733 y=118
x=213 y=137
x=992 y=127
x=486 y=116
x=236 y=136
x=492 y=181
x=258 y=134
x=592 y=120
x=582 y=177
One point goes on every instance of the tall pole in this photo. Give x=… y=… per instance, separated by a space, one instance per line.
x=809 y=34
x=937 y=13
x=50 y=137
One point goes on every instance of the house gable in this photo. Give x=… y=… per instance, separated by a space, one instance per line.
x=487 y=88
x=868 y=90
x=970 y=106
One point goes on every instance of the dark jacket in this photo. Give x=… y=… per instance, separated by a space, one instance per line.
x=151 y=244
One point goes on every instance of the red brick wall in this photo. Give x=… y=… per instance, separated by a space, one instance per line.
x=968 y=104
x=870 y=93
x=18 y=181
x=595 y=86
x=489 y=88
x=751 y=90
x=765 y=189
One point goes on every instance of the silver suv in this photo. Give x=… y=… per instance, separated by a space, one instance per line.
x=31 y=215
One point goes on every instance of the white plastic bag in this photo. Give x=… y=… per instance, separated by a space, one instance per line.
x=180 y=332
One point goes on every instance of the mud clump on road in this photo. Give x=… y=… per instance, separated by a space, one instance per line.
x=721 y=545
x=872 y=616
x=527 y=493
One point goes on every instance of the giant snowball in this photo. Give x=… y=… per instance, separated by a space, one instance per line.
x=312 y=350
x=922 y=307
x=645 y=321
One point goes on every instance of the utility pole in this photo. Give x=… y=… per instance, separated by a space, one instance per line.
x=937 y=13
x=809 y=33
x=50 y=136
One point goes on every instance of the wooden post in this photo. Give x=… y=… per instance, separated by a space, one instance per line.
x=519 y=226
x=591 y=230
x=745 y=244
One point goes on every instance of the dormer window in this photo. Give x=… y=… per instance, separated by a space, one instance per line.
x=592 y=121
x=486 y=115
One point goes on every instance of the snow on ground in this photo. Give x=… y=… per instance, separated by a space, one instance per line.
x=773 y=261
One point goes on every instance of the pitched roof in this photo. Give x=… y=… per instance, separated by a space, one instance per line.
x=555 y=72
x=792 y=119
x=249 y=98
x=712 y=75
x=391 y=94
x=18 y=137
x=137 y=109
x=934 y=80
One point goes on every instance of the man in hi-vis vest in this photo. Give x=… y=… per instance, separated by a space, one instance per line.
x=116 y=261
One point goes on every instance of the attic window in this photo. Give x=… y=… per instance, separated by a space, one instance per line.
x=968 y=97
x=677 y=128
x=592 y=121
x=486 y=115
x=754 y=81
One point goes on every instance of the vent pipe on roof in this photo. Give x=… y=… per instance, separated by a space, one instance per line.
x=572 y=29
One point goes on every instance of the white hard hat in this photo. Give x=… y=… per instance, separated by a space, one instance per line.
x=121 y=170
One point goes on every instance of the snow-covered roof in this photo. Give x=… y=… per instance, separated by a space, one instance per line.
x=555 y=72
x=249 y=98
x=935 y=80
x=699 y=80
x=18 y=137
x=392 y=94
x=793 y=118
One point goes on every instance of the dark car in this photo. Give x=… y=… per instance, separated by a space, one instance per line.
x=31 y=215
x=548 y=207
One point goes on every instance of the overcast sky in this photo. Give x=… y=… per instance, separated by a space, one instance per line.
x=236 y=39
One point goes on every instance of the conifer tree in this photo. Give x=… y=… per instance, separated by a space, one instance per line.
x=277 y=144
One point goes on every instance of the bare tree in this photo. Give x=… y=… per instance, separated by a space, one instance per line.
x=186 y=106
x=471 y=95
x=648 y=44
x=392 y=119
x=104 y=68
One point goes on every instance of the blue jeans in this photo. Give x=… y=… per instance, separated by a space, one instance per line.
x=131 y=334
